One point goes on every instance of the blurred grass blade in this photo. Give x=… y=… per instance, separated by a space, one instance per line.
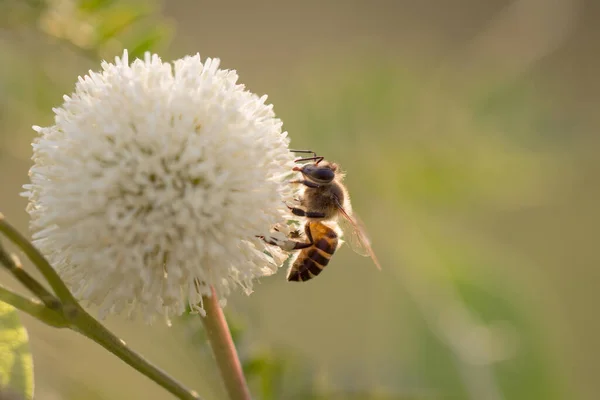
x=116 y=20
x=148 y=40
x=16 y=363
x=522 y=339
x=94 y=5
x=268 y=370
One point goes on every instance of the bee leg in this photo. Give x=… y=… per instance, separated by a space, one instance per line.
x=306 y=183
x=288 y=245
x=308 y=233
x=299 y=245
x=309 y=214
x=295 y=234
x=271 y=242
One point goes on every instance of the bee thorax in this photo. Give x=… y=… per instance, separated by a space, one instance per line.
x=324 y=200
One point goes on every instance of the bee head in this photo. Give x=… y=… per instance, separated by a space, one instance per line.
x=323 y=172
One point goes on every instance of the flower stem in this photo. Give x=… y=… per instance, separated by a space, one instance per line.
x=67 y=312
x=89 y=327
x=224 y=350
x=12 y=263
x=51 y=276
x=33 y=308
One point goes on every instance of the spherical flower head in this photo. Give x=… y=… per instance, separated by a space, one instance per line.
x=155 y=183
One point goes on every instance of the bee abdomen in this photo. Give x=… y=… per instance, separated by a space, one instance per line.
x=312 y=260
x=326 y=246
x=309 y=264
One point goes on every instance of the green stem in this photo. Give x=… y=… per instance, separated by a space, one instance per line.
x=33 y=308
x=71 y=314
x=89 y=327
x=223 y=348
x=57 y=285
x=14 y=266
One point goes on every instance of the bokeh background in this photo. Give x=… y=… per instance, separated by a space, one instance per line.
x=469 y=133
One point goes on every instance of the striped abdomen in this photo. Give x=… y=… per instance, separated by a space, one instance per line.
x=313 y=259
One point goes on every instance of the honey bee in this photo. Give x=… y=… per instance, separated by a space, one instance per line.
x=325 y=203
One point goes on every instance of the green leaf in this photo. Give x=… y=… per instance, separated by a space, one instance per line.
x=16 y=363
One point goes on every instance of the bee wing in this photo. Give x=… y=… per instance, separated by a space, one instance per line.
x=356 y=235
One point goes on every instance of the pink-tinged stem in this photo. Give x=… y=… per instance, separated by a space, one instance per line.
x=224 y=350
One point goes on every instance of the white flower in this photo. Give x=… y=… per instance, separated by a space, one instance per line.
x=154 y=182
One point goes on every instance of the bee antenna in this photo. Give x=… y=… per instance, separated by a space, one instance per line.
x=304 y=151
x=317 y=159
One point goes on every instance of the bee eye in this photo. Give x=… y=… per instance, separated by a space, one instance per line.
x=323 y=174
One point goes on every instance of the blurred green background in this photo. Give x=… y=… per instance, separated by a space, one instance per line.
x=468 y=130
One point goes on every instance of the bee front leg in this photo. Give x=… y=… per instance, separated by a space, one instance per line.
x=309 y=214
x=306 y=183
